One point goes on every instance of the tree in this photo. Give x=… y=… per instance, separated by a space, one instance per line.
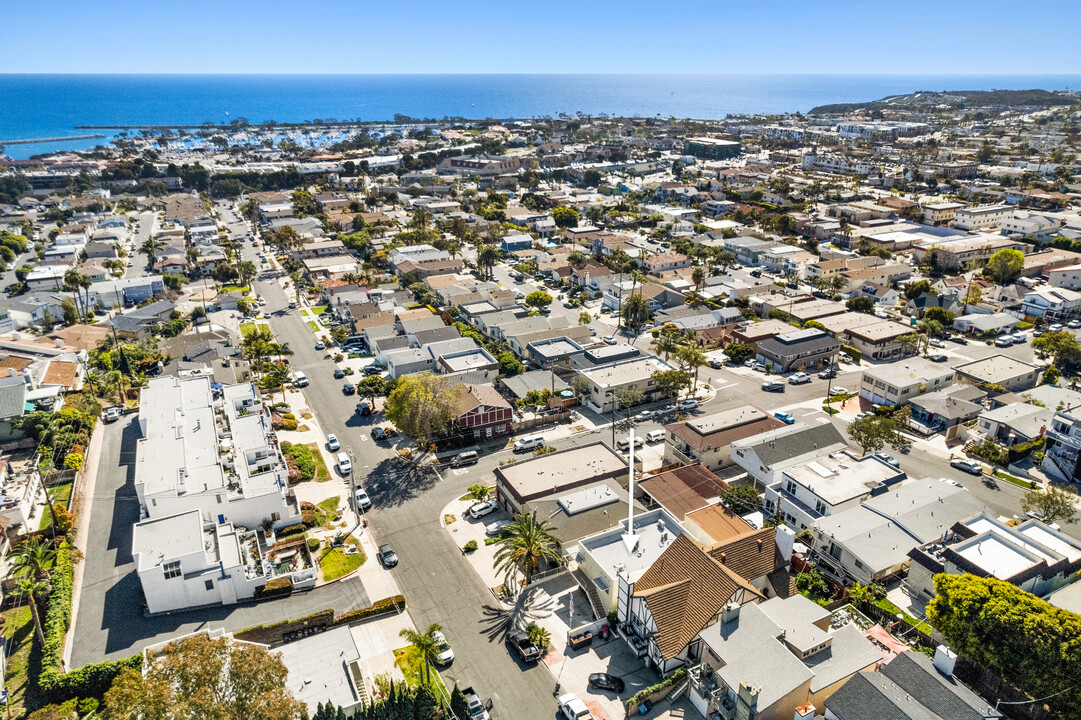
x=372 y=387
x=47 y=322
x=33 y=559
x=423 y=405
x=31 y=588
x=698 y=276
x=670 y=382
x=286 y=239
x=509 y=366
x=635 y=312
x=584 y=318
x=629 y=397
x=914 y=289
x=538 y=299
x=667 y=340
x=247 y=272
x=739 y=353
x=874 y=432
x=577 y=259
x=71 y=313
x=1060 y=346
x=526 y=543
x=592 y=178
x=940 y=315
x=539 y=636
x=478 y=491
x=565 y=217
x=1032 y=645
x=1055 y=503
x=861 y=304
x=425 y=645
x=1005 y=266
x=459 y=706
x=487 y=257
x=202 y=677
x=690 y=359
x=740 y=499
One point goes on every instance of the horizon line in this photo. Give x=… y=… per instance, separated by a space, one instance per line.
x=527 y=74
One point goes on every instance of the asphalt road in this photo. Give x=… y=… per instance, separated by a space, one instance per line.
x=437 y=581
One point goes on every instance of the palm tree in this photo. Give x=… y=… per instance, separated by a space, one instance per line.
x=150 y=248
x=913 y=340
x=487 y=257
x=691 y=358
x=525 y=543
x=666 y=342
x=73 y=283
x=425 y=645
x=698 y=275
x=351 y=278
x=636 y=312
x=33 y=559
x=31 y=589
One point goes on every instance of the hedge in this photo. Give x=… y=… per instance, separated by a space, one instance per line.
x=380 y=607
x=632 y=703
x=302 y=456
x=271 y=634
x=89 y=680
x=290 y=530
x=274 y=588
x=852 y=352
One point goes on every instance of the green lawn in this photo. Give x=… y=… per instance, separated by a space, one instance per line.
x=61 y=493
x=318 y=309
x=889 y=607
x=327 y=509
x=235 y=288
x=409 y=662
x=19 y=632
x=247 y=329
x=322 y=474
x=1026 y=484
x=313 y=326
x=336 y=563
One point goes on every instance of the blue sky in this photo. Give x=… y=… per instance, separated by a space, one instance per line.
x=469 y=36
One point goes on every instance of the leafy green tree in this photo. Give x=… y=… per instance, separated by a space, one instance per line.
x=32 y=589
x=739 y=353
x=1032 y=645
x=691 y=359
x=525 y=544
x=478 y=491
x=942 y=316
x=584 y=318
x=509 y=366
x=538 y=299
x=1056 y=503
x=1005 y=266
x=372 y=387
x=670 y=382
x=71 y=314
x=423 y=405
x=914 y=289
x=861 y=304
x=1060 y=346
x=668 y=340
x=577 y=259
x=740 y=499
x=425 y=645
x=592 y=178
x=565 y=217
x=33 y=558
x=247 y=272
x=875 y=432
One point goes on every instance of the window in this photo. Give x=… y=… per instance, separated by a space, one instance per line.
x=171 y=569
x=209 y=584
x=790 y=487
x=820 y=507
x=219 y=499
x=275 y=517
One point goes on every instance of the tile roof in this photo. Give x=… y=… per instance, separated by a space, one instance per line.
x=684 y=489
x=750 y=555
x=685 y=589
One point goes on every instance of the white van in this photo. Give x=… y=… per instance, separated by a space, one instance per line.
x=300 y=379
x=345 y=465
x=654 y=436
x=528 y=443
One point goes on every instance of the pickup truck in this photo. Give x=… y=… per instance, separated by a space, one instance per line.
x=571 y=707
x=477 y=709
x=522 y=646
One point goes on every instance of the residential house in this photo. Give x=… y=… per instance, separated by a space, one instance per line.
x=1062 y=451
x=799 y=350
x=1000 y=370
x=981 y=217
x=880 y=340
x=524 y=481
x=1015 y=423
x=1054 y=303
x=483 y=412
x=899 y=382
x=606 y=381
x=982 y=325
x=939 y=411
x=1067 y=277
x=708 y=439
x=665 y=262
x=681 y=491
x=766 y=454
x=941 y=213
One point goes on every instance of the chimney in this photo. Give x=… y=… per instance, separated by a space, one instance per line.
x=730 y=612
x=804 y=712
x=944 y=660
x=11 y=372
x=724 y=557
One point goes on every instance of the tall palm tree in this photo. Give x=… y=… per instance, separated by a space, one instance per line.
x=524 y=544
x=150 y=248
x=33 y=559
x=636 y=312
x=691 y=358
x=487 y=257
x=31 y=588
x=698 y=276
x=426 y=646
x=72 y=283
x=666 y=342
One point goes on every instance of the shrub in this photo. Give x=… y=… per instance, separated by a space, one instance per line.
x=313 y=544
x=631 y=703
x=289 y=425
x=73 y=461
x=302 y=454
x=470 y=546
x=274 y=588
x=380 y=607
x=852 y=352
x=289 y=530
x=87 y=706
x=308 y=518
x=289 y=416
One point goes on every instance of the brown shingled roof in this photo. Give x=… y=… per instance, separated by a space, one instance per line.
x=750 y=555
x=61 y=372
x=685 y=589
x=14 y=362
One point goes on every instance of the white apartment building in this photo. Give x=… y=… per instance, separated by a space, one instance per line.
x=1050 y=302
x=984 y=216
x=900 y=381
x=1062 y=454
x=607 y=380
x=210 y=454
x=1068 y=277
x=826 y=485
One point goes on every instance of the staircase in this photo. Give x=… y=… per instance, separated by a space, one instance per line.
x=591 y=592
x=678 y=690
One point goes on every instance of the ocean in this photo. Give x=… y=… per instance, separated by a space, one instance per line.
x=36 y=106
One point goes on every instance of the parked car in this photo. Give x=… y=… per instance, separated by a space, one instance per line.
x=609 y=340
x=799 y=378
x=338 y=373
x=936 y=342
x=364 y=408
x=690 y=404
x=1074 y=324
x=380 y=434
x=345 y=465
x=477 y=709
x=350 y=389
x=1019 y=338
x=496 y=528
x=666 y=410
x=959 y=339
x=363 y=501
x=838 y=390
x=372 y=369
x=483 y=508
x=332 y=443
x=939 y=358
x=604 y=681
x=1004 y=341
x=773 y=386
x=644 y=415
x=571 y=707
x=112 y=414
x=967 y=465
x=887 y=458
x=387 y=556
x=320 y=345
x=828 y=374
x=1055 y=327
x=522 y=646
x=444 y=653
x=786 y=418
x=716 y=364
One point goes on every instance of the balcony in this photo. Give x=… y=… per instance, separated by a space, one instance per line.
x=799 y=504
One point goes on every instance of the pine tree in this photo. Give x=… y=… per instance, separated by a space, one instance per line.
x=458 y=704
x=319 y=712
x=426 y=706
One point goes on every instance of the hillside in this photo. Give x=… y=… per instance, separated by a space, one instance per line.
x=955 y=100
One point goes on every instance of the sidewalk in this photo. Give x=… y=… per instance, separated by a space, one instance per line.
x=81 y=506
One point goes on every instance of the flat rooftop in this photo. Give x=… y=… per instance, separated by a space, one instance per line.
x=996 y=555
x=155 y=541
x=564 y=469
x=627 y=372
x=726 y=419
x=907 y=372
x=840 y=478
x=613 y=555
x=318 y=668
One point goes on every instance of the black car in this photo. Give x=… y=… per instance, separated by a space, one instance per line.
x=716 y=364
x=756 y=273
x=349 y=389
x=959 y=339
x=820 y=295
x=522 y=646
x=939 y=358
x=604 y=681
x=372 y=369
x=338 y=373
x=387 y=556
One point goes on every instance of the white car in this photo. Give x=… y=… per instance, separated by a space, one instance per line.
x=445 y=654
x=112 y=414
x=799 y=378
x=363 y=501
x=571 y=707
x=493 y=529
x=332 y=443
x=688 y=405
x=483 y=508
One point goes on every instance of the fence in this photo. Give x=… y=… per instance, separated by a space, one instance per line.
x=541 y=420
x=990 y=686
